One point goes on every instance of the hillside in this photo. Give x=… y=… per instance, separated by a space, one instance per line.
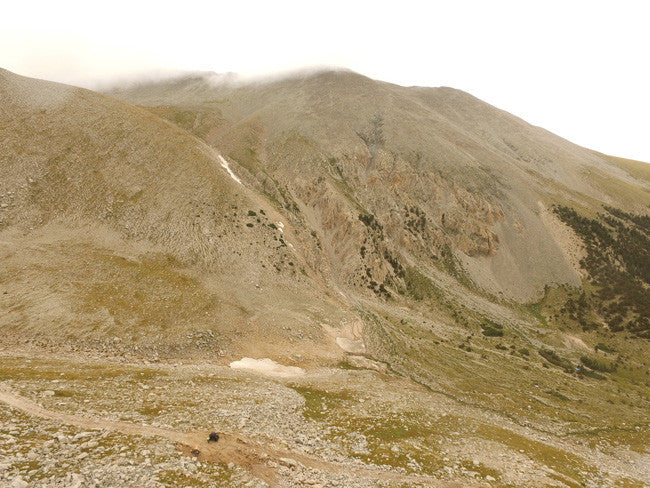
x=459 y=296
x=481 y=180
x=115 y=224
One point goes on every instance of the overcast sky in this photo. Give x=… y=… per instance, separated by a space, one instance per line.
x=577 y=68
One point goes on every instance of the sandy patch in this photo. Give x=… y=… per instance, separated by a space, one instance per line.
x=571 y=340
x=349 y=336
x=267 y=367
x=350 y=345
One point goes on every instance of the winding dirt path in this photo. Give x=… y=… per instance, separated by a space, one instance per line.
x=30 y=407
x=262 y=461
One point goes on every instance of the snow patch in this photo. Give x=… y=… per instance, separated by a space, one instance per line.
x=351 y=346
x=226 y=166
x=267 y=367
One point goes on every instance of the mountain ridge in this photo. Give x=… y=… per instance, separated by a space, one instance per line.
x=271 y=112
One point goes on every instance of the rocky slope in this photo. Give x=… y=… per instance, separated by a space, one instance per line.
x=116 y=223
x=416 y=238
x=436 y=167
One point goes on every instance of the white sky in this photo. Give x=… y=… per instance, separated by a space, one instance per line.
x=577 y=68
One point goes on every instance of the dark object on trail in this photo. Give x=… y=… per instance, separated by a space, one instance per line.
x=213 y=437
x=195 y=452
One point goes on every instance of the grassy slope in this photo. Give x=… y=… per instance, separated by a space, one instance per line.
x=638 y=169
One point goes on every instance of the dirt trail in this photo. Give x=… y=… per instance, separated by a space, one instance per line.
x=33 y=408
x=262 y=461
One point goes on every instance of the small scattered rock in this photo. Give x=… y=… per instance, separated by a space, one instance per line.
x=18 y=482
x=288 y=462
x=82 y=435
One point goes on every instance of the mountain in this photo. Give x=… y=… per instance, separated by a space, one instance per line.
x=336 y=223
x=450 y=178
x=120 y=224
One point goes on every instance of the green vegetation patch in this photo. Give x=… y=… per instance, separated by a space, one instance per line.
x=17 y=368
x=561 y=461
x=418 y=286
x=553 y=358
x=319 y=402
x=637 y=438
x=618 y=263
x=598 y=364
x=491 y=328
x=388 y=437
x=637 y=169
x=601 y=346
x=139 y=295
x=213 y=474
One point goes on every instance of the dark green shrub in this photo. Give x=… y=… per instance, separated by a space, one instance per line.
x=492 y=332
x=492 y=329
x=601 y=346
x=598 y=364
x=553 y=358
x=590 y=374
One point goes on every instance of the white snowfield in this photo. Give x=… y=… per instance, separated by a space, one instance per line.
x=226 y=166
x=267 y=367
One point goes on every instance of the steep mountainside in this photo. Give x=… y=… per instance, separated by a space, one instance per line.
x=440 y=171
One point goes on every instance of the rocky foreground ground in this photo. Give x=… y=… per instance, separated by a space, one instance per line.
x=100 y=423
